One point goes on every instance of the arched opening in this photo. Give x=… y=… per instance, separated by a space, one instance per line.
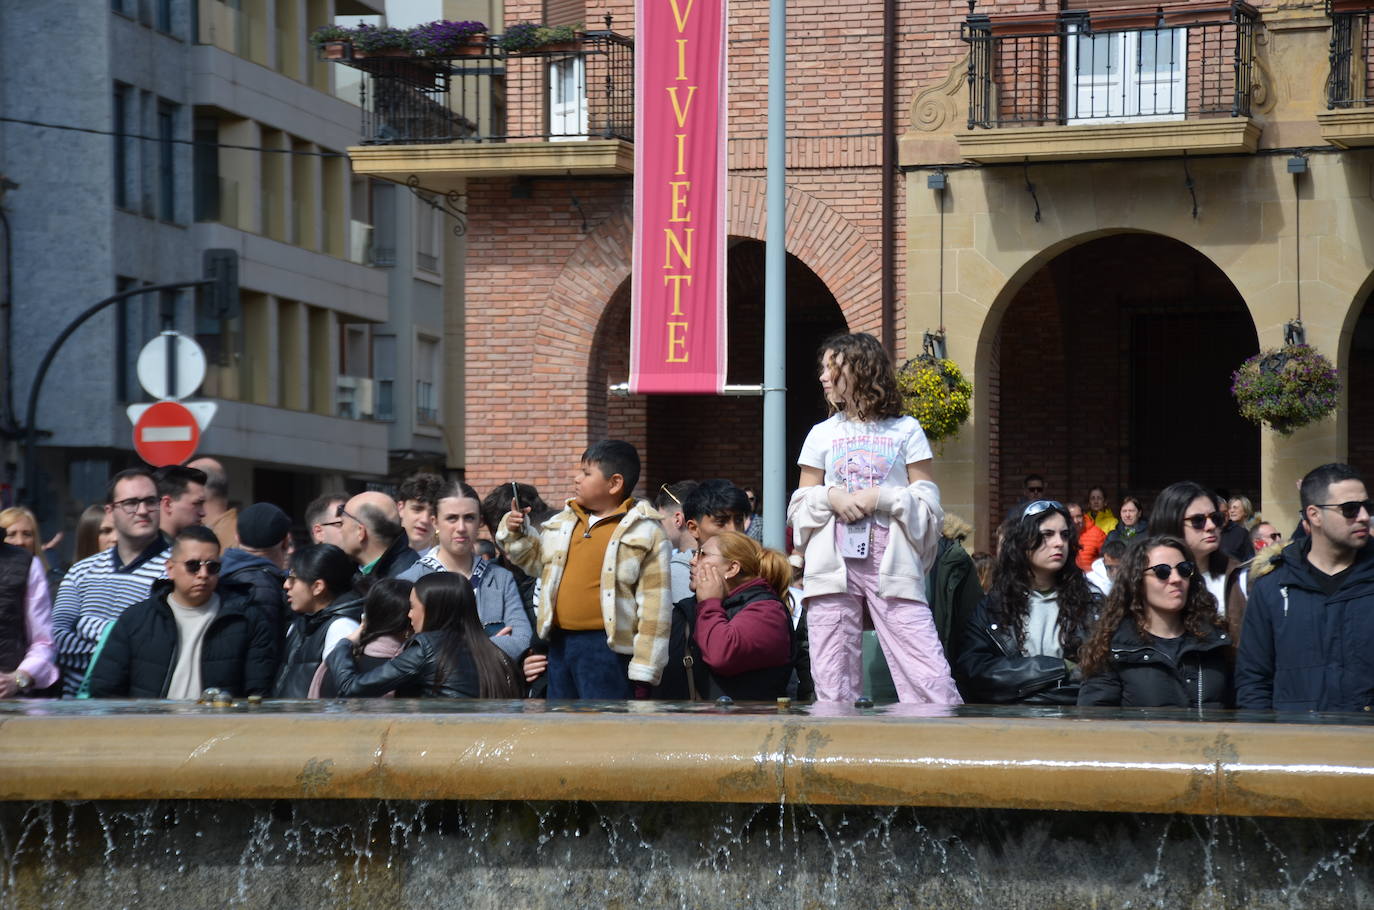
x=703 y=436
x=1112 y=366
x=1358 y=375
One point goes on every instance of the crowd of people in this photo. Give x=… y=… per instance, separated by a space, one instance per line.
x=439 y=591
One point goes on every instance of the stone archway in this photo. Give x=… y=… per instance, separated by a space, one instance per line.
x=1095 y=376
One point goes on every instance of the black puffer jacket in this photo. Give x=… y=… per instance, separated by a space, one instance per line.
x=989 y=666
x=1139 y=675
x=264 y=580
x=409 y=674
x=238 y=654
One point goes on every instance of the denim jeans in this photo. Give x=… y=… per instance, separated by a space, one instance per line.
x=581 y=665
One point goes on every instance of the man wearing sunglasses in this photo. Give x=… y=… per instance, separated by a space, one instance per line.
x=192 y=633
x=1307 y=643
x=1033 y=490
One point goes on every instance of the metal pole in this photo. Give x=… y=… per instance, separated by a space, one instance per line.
x=31 y=412
x=775 y=288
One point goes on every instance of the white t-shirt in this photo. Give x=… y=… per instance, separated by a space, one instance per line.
x=192 y=622
x=856 y=455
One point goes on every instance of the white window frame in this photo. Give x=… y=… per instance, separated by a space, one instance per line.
x=1127 y=93
x=568 y=98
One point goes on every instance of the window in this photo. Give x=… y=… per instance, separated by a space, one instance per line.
x=568 y=98
x=166 y=162
x=205 y=168
x=123 y=157
x=384 y=363
x=427 y=226
x=162 y=16
x=1135 y=75
x=427 y=380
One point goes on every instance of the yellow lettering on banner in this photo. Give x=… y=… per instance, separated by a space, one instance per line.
x=671 y=242
x=677 y=292
x=679 y=15
x=679 y=111
x=681 y=58
x=679 y=200
x=677 y=338
x=681 y=153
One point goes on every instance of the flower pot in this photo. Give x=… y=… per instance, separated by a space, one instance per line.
x=336 y=50
x=476 y=47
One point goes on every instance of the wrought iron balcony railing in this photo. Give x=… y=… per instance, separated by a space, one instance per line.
x=1350 y=82
x=1169 y=62
x=584 y=90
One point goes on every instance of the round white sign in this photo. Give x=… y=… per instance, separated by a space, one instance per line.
x=190 y=366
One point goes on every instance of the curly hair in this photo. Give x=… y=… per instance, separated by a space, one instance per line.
x=873 y=393
x=1128 y=599
x=1009 y=598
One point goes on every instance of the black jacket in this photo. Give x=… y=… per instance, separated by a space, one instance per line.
x=397 y=558
x=409 y=674
x=305 y=647
x=989 y=666
x=238 y=654
x=1138 y=675
x=264 y=580
x=1301 y=650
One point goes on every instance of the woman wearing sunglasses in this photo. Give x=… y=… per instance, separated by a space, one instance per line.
x=1021 y=644
x=1160 y=642
x=1191 y=513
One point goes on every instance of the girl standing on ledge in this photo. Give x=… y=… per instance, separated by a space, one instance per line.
x=867 y=517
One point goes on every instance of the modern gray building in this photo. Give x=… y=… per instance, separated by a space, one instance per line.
x=199 y=124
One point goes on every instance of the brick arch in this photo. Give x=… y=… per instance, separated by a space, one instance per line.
x=833 y=247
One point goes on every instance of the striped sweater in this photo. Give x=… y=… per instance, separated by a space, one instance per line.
x=92 y=595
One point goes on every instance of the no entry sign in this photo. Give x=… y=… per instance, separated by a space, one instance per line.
x=166 y=433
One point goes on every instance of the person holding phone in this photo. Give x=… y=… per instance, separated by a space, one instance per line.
x=502 y=612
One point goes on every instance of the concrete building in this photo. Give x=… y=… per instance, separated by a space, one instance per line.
x=1116 y=228
x=213 y=125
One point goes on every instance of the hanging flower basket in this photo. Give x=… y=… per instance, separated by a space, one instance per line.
x=935 y=392
x=1286 y=388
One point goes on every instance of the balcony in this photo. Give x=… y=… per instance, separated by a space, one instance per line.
x=1137 y=82
x=559 y=110
x=1349 y=121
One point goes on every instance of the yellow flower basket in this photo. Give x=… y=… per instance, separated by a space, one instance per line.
x=935 y=392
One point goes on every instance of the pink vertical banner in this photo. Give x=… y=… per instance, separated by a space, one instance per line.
x=677 y=305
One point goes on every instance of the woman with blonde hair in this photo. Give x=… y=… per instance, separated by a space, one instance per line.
x=21 y=529
x=744 y=629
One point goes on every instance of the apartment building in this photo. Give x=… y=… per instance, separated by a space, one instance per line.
x=213 y=125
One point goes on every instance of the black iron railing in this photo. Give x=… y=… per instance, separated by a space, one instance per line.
x=1350 y=82
x=1168 y=62
x=582 y=90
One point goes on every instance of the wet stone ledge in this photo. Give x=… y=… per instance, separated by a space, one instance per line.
x=278 y=853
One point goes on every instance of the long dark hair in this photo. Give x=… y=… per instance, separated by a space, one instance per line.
x=1128 y=600
x=451 y=611
x=386 y=612
x=1166 y=518
x=1009 y=601
x=327 y=563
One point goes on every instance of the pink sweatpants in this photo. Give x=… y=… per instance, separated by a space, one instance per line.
x=905 y=628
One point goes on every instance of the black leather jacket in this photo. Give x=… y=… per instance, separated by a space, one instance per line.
x=990 y=667
x=409 y=674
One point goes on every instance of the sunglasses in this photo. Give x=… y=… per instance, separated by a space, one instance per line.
x=194 y=566
x=1035 y=489
x=669 y=494
x=1041 y=505
x=1162 y=571
x=1348 y=509
x=341 y=513
x=1198 y=522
